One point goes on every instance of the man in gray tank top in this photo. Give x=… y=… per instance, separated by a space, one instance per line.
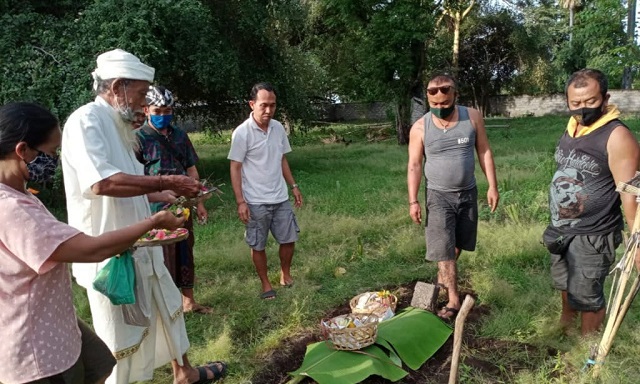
x=446 y=139
x=595 y=152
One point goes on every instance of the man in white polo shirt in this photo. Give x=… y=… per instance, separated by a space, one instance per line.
x=259 y=176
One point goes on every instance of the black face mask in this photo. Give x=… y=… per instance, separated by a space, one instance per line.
x=43 y=168
x=443 y=113
x=587 y=116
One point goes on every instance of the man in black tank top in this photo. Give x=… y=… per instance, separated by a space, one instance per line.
x=447 y=138
x=595 y=152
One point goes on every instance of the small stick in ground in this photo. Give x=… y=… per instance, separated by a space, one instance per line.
x=466 y=307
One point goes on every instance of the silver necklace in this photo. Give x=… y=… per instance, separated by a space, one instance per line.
x=445 y=124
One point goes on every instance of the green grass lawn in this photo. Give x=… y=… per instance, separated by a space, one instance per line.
x=356 y=217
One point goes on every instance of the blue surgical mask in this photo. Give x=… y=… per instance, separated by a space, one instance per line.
x=160 y=121
x=43 y=168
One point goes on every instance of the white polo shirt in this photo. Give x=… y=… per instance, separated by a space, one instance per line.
x=261 y=154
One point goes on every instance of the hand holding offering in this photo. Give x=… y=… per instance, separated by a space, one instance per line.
x=157 y=237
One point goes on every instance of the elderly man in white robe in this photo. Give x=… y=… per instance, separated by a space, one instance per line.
x=106 y=189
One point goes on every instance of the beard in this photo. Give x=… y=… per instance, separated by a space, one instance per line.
x=126 y=131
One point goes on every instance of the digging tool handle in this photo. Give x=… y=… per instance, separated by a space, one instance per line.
x=467 y=305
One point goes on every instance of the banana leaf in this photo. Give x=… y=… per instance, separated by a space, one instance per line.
x=327 y=365
x=415 y=335
x=412 y=337
x=392 y=353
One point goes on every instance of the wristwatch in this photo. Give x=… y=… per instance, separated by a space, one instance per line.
x=294 y=186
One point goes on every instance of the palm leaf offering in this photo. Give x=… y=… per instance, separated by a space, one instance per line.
x=207 y=190
x=178 y=210
x=157 y=237
x=411 y=337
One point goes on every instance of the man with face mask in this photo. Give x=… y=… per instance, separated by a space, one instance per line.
x=595 y=152
x=166 y=150
x=447 y=137
x=106 y=189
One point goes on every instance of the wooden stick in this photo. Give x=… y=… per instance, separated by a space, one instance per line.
x=627 y=303
x=618 y=309
x=466 y=307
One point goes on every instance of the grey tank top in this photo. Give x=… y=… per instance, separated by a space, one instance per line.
x=449 y=154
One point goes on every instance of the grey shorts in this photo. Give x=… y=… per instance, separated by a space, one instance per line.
x=277 y=218
x=583 y=268
x=95 y=363
x=452 y=222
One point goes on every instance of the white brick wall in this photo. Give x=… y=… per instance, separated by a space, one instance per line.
x=628 y=101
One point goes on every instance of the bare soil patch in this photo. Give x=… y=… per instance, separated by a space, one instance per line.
x=496 y=360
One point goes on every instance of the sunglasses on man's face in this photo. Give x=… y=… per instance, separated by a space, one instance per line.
x=444 y=90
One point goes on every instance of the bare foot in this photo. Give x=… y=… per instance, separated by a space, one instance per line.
x=196 y=308
x=286 y=283
x=286 y=280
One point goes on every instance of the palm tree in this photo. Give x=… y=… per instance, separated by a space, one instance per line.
x=571 y=5
x=457 y=10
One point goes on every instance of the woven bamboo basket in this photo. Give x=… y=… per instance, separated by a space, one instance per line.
x=378 y=308
x=351 y=339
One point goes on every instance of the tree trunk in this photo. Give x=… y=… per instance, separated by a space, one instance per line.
x=456 y=42
x=403 y=119
x=457 y=20
x=627 y=79
x=570 y=24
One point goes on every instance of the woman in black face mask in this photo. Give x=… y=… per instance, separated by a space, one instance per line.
x=43 y=339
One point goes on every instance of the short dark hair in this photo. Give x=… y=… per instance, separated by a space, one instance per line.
x=23 y=121
x=259 y=87
x=441 y=77
x=579 y=79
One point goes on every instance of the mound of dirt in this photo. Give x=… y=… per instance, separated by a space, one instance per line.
x=477 y=352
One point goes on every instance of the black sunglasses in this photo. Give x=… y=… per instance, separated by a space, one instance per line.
x=434 y=90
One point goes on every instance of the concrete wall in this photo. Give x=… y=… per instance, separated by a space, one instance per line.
x=360 y=111
x=376 y=111
x=628 y=101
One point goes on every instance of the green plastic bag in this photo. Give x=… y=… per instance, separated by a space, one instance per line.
x=117 y=280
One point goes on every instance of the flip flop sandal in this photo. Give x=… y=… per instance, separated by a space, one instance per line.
x=213 y=367
x=453 y=311
x=269 y=295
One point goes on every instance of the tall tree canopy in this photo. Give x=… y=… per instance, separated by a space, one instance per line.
x=210 y=52
x=207 y=52
x=493 y=49
x=375 y=50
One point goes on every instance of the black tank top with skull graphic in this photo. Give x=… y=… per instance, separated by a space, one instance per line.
x=582 y=196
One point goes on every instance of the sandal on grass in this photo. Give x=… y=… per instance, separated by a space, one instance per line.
x=447 y=313
x=269 y=295
x=211 y=366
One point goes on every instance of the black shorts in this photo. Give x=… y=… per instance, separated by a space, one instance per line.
x=452 y=222
x=94 y=364
x=582 y=269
